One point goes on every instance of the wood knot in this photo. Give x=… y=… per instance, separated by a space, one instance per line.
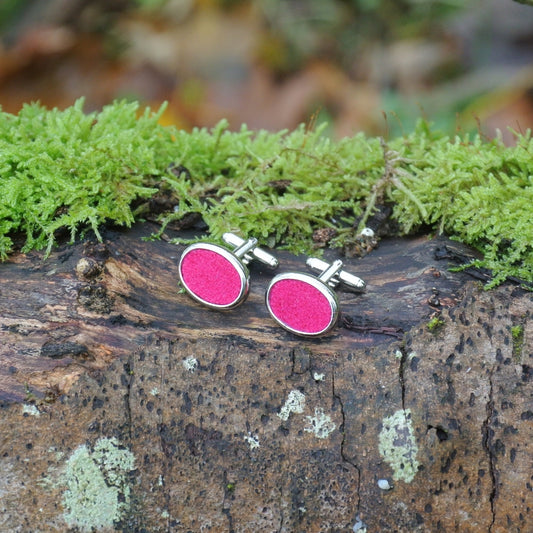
x=88 y=268
x=59 y=350
x=95 y=298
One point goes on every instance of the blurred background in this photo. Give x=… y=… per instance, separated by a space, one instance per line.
x=361 y=65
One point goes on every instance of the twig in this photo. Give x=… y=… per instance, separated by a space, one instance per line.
x=391 y=176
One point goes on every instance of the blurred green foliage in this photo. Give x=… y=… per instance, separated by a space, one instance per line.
x=9 y=10
x=339 y=30
x=365 y=42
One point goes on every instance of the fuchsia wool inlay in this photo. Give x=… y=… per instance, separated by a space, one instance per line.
x=300 y=306
x=211 y=277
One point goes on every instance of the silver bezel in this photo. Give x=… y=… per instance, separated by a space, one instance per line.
x=317 y=284
x=235 y=262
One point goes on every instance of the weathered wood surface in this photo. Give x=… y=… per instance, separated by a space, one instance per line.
x=97 y=344
x=61 y=317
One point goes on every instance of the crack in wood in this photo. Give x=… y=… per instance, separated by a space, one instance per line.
x=300 y=361
x=401 y=372
x=130 y=374
x=344 y=456
x=226 y=510
x=282 y=500
x=350 y=323
x=162 y=444
x=488 y=434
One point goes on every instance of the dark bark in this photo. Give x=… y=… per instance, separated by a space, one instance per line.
x=98 y=343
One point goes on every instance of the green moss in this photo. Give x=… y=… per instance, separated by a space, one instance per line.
x=97 y=494
x=435 y=323
x=66 y=171
x=517 y=333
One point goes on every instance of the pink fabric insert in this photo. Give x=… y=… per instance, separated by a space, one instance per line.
x=211 y=277
x=300 y=306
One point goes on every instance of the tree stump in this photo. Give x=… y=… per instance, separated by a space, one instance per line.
x=126 y=406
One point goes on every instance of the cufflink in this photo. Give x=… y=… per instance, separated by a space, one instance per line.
x=306 y=305
x=217 y=277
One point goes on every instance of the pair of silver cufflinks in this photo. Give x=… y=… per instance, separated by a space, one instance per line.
x=301 y=303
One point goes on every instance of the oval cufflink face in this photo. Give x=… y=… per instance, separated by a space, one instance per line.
x=213 y=276
x=302 y=304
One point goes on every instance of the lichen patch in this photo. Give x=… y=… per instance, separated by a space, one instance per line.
x=320 y=425
x=30 y=409
x=252 y=440
x=398 y=447
x=295 y=404
x=190 y=363
x=97 y=494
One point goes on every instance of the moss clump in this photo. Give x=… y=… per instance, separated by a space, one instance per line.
x=517 y=333
x=63 y=170
x=66 y=170
x=435 y=323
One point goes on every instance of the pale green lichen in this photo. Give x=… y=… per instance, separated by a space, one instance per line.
x=359 y=526
x=295 y=403
x=399 y=354
x=30 y=409
x=97 y=491
x=320 y=425
x=190 y=363
x=397 y=445
x=252 y=441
